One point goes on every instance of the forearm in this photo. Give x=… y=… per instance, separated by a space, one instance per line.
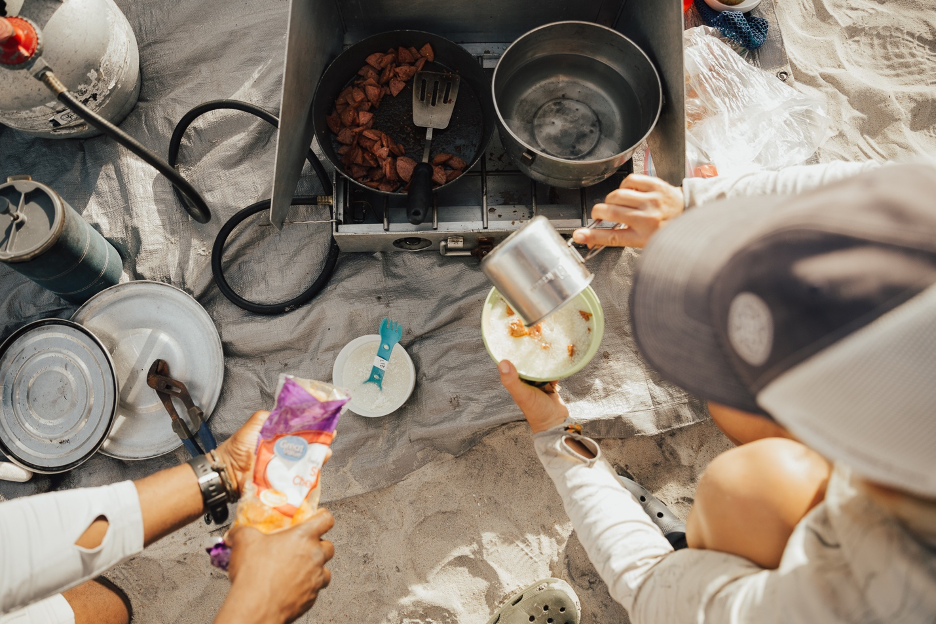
x=169 y=500
x=788 y=181
x=619 y=538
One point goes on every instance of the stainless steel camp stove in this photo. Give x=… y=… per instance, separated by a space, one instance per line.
x=493 y=198
x=469 y=217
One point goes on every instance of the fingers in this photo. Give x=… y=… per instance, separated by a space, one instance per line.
x=258 y=418
x=326 y=578
x=609 y=238
x=627 y=198
x=631 y=217
x=521 y=393
x=316 y=526
x=640 y=182
x=328 y=549
x=241 y=535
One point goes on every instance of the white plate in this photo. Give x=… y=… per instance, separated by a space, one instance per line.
x=744 y=7
x=338 y=374
x=139 y=322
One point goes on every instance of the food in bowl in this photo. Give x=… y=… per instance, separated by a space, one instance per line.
x=547 y=350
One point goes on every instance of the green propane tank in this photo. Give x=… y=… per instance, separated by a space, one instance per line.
x=46 y=240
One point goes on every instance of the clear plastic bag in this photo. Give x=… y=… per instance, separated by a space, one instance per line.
x=740 y=118
x=293 y=447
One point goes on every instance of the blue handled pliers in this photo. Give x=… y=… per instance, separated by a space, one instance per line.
x=167 y=388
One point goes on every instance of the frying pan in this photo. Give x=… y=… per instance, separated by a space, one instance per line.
x=469 y=130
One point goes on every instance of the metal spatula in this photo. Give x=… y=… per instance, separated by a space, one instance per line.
x=434 y=96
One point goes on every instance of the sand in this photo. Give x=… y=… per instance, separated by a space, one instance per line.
x=451 y=540
x=875 y=63
x=444 y=545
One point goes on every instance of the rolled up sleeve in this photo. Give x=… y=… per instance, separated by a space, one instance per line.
x=38 y=555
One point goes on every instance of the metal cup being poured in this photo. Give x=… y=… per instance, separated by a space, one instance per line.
x=536 y=270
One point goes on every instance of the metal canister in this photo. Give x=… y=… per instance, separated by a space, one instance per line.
x=59 y=395
x=536 y=271
x=46 y=240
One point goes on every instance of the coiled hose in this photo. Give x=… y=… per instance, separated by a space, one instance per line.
x=217 y=250
x=192 y=200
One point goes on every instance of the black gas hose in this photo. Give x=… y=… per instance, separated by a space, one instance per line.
x=191 y=200
x=217 y=250
x=176 y=140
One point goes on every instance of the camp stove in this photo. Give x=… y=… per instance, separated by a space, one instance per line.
x=469 y=216
x=488 y=202
x=472 y=214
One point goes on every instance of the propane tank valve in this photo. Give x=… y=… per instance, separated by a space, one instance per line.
x=19 y=42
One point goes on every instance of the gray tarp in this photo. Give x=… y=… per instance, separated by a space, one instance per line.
x=191 y=52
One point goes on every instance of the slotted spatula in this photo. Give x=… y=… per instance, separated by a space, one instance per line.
x=434 y=96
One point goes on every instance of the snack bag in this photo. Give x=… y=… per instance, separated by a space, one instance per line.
x=293 y=445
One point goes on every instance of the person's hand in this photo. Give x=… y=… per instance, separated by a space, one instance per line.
x=237 y=452
x=543 y=409
x=643 y=203
x=277 y=577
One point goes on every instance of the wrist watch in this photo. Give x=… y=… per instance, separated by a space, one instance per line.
x=214 y=494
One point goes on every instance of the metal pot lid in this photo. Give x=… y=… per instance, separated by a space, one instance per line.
x=139 y=322
x=31 y=219
x=59 y=395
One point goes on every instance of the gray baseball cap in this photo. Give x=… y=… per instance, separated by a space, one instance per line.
x=817 y=310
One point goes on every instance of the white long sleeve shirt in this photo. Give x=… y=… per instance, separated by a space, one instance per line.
x=847 y=560
x=789 y=181
x=38 y=556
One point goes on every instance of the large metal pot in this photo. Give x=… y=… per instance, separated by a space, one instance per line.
x=573 y=102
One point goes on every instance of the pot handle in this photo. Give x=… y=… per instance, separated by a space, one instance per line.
x=420 y=194
x=527 y=158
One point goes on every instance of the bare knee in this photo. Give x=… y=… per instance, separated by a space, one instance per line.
x=98 y=602
x=743 y=427
x=750 y=498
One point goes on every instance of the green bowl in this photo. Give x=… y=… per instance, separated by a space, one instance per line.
x=589 y=298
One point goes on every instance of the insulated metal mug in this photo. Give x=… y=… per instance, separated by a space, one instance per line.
x=46 y=240
x=536 y=271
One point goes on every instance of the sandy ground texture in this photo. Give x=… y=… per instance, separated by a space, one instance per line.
x=875 y=62
x=455 y=537
x=445 y=545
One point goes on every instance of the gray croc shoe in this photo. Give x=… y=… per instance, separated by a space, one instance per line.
x=549 y=601
x=674 y=529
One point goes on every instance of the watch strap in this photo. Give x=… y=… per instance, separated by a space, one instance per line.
x=214 y=494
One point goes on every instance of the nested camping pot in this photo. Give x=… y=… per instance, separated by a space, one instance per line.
x=59 y=395
x=536 y=270
x=573 y=102
x=45 y=239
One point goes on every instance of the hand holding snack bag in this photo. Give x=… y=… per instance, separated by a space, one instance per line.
x=293 y=446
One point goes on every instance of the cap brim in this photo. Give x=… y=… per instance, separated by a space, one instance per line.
x=669 y=302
